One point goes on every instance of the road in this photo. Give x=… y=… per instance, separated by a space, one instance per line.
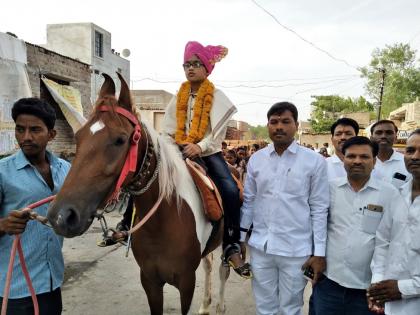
x=103 y=281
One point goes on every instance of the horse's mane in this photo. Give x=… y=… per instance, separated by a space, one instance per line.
x=174 y=177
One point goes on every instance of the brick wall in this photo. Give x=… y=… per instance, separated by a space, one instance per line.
x=63 y=70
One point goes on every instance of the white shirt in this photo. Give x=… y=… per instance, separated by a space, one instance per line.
x=286 y=197
x=397 y=253
x=221 y=112
x=395 y=164
x=352 y=227
x=336 y=169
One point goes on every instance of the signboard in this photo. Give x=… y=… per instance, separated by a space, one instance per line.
x=69 y=100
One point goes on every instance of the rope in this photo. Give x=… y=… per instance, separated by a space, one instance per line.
x=17 y=246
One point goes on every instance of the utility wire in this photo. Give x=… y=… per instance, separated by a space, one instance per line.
x=304 y=39
x=138 y=78
x=280 y=86
x=320 y=88
x=258 y=86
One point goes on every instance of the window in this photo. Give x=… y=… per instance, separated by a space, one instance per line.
x=99 y=44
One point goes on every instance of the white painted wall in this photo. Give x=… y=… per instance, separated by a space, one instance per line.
x=77 y=40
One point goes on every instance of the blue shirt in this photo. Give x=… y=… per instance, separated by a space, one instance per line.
x=20 y=185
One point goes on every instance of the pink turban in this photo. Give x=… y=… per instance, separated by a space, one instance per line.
x=208 y=55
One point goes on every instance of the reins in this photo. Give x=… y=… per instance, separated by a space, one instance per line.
x=17 y=246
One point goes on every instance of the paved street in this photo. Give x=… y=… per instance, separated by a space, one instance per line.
x=102 y=281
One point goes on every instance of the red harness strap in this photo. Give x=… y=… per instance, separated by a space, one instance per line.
x=18 y=247
x=130 y=164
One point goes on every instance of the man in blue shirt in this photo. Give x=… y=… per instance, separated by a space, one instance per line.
x=30 y=175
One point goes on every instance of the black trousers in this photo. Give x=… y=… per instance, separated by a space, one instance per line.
x=220 y=174
x=50 y=303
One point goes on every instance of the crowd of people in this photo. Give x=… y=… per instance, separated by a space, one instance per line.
x=349 y=222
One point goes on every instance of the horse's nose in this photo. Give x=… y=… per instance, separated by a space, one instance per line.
x=68 y=219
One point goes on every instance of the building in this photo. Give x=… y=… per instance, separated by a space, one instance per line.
x=40 y=65
x=90 y=44
x=152 y=105
x=407 y=119
x=307 y=136
x=44 y=63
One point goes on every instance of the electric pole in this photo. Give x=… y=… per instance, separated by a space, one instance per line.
x=381 y=93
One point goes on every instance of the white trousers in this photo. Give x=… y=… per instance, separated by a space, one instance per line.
x=278 y=283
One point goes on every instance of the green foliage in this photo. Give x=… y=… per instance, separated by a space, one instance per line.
x=402 y=80
x=327 y=109
x=259 y=132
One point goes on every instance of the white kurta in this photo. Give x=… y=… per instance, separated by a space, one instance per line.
x=221 y=112
x=397 y=254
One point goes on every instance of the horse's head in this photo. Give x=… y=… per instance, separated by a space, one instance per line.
x=102 y=147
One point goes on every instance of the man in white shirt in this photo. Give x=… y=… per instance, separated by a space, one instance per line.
x=286 y=199
x=357 y=205
x=342 y=130
x=389 y=162
x=396 y=261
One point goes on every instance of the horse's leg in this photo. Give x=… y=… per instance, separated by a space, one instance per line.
x=186 y=286
x=224 y=275
x=154 y=292
x=207 y=266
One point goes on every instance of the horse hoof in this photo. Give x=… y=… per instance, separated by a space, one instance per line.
x=220 y=310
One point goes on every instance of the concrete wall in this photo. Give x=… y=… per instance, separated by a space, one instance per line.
x=63 y=70
x=77 y=40
x=316 y=140
x=76 y=43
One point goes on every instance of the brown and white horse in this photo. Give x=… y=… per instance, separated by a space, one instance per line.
x=168 y=248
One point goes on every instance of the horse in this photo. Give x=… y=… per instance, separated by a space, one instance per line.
x=169 y=246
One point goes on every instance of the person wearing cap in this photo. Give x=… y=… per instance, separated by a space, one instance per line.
x=29 y=175
x=197 y=120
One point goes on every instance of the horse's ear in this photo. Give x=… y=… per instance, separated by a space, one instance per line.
x=108 y=87
x=124 y=99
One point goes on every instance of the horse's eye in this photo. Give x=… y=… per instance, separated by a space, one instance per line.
x=120 y=141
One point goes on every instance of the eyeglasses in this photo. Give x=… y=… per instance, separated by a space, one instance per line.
x=194 y=64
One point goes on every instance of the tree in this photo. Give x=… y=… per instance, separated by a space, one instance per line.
x=327 y=108
x=259 y=132
x=402 y=81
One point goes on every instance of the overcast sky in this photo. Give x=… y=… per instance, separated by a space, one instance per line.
x=272 y=63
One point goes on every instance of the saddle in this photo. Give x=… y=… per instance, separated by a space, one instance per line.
x=212 y=201
x=210 y=195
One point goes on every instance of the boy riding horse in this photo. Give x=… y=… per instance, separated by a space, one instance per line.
x=197 y=120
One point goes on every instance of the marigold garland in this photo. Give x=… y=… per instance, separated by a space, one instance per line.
x=202 y=106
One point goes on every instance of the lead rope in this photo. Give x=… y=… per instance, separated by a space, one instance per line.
x=17 y=246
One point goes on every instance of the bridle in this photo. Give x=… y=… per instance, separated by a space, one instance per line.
x=130 y=164
x=135 y=186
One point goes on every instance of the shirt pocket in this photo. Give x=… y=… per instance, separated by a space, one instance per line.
x=296 y=184
x=370 y=221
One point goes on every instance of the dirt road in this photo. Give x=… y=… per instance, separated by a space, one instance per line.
x=102 y=281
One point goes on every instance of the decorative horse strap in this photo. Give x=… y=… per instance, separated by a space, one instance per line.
x=130 y=164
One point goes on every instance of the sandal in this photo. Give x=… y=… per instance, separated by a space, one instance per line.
x=245 y=270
